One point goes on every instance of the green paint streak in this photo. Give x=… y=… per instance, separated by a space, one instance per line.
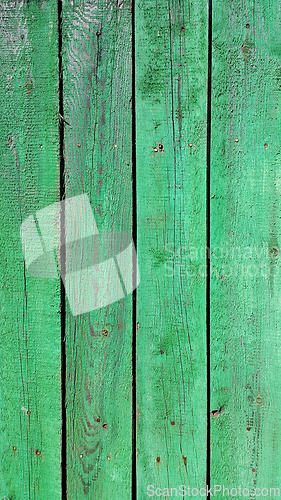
x=30 y=400
x=245 y=238
x=98 y=151
x=171 y=74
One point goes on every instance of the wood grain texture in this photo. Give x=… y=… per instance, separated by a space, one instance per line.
x=171 y=118
x=98 y=152
x=30 y=398
x=245 y=241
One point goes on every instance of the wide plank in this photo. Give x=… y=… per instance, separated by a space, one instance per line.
x=171 y=135
x=97 y=94
x=30 y=355
x=245 y=247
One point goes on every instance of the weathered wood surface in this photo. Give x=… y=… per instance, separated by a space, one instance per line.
x=171 y=65
x=245 y=224
x=98 y=161
x=171 y=121
x=30 y=398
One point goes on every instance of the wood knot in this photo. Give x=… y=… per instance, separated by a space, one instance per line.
x=216 y=413
x=274 y=251
x=246 y=51
x=259 y=400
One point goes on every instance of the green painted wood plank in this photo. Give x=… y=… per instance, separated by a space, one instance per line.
x=245 y=243
x=171 y=117
x=98 y=152
x=30 y=396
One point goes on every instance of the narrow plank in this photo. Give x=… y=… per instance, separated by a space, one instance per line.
x=30 y=395
x=98 y=155
x=245 y=244
x=171 y=117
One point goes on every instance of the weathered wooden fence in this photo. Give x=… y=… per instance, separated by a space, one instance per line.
x=166 y=114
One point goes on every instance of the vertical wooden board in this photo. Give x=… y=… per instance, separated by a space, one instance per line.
x=171 y=119
x=245 y=246
x=98 y=155
x=30 y=386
